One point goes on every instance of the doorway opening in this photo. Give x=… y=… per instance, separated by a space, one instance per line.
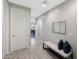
x=36 y=32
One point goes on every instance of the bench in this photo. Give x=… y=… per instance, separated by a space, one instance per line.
x=54 y=47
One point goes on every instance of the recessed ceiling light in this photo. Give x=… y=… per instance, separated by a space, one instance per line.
x=44 y=3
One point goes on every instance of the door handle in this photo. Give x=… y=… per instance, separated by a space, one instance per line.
x=14 y=35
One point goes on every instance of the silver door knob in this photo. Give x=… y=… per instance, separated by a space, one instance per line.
x=14 y=35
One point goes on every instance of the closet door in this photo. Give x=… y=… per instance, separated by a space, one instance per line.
x=18 y=27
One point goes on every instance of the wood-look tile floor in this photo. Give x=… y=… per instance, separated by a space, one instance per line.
x=35 y=52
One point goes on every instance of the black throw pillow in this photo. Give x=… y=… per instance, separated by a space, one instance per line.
x=66 y=47
x=60 y=45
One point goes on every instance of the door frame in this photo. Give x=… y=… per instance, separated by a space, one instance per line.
x=15 y=5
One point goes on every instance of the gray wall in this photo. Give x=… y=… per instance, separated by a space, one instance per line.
x=65 y=11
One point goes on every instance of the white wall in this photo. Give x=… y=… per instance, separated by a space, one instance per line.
x=38 y=29
x=65 y=11
x=5 y=29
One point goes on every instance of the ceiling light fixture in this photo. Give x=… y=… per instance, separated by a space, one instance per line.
x=44 y=3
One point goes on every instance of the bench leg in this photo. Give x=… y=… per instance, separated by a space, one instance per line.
x=43 y=45
x=72 y=56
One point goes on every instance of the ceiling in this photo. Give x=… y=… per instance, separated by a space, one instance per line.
x=36 y=6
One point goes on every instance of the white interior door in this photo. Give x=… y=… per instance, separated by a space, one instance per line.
x=19 y=26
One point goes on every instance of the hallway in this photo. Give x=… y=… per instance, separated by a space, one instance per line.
x=48 y=21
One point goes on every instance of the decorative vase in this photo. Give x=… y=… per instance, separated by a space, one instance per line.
x=66 y=47
x=60 y=45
